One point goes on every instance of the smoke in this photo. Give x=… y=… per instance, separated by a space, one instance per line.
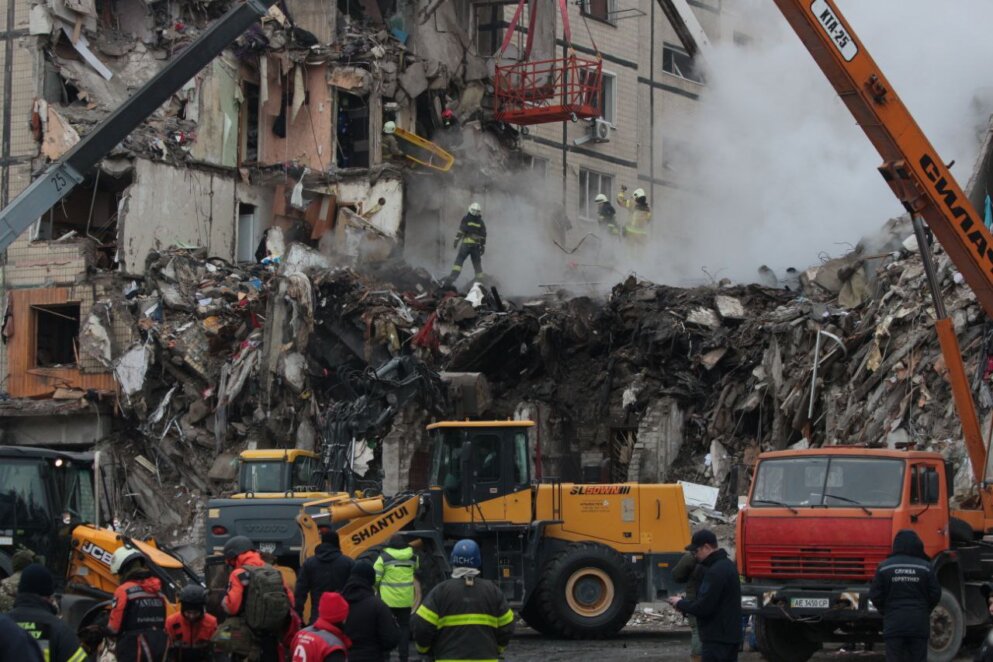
x=780 y=173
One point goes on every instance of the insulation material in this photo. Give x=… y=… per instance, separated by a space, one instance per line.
x=59 y=135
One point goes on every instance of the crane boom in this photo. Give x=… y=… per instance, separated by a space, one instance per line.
x=63 y=175
x=911 y=165
x=919 y=179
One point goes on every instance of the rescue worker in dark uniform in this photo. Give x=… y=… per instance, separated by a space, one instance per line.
x=471 y=242
x=16 y=644
x=905 y=589
x=192 y=628
x=465 y=617
x=606 y=215
x=138 y=612
x=34 y=610
x=324 y=641
x=327 y=570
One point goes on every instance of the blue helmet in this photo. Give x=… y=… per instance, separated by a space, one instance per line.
x=466 y=554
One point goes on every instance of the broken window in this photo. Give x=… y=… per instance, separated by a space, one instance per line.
x=352 y=131
x=489 y=29
x=250 y=124
x=90 y=210
x=592 y=184
x=537 y=164
x=56 y=333
x=601 y=10
x=248 y=233
x=678 y=62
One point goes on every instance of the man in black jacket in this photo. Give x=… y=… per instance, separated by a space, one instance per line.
x=16 y=644
x=717 y=605
x=327 y=570
x=905 y=590
x=370 y=625
x=35 y=612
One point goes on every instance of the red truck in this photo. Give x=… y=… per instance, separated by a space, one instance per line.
x=817 y=522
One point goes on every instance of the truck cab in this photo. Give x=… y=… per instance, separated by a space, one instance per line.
x=274 y=473
x=816 y=525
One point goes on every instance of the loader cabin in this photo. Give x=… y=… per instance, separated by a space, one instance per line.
x=860 y=498
x=277 y=472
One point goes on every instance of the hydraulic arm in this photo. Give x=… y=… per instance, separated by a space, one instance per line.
x=920 y=180
x=63 y=175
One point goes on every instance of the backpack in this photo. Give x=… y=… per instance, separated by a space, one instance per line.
x=266 y=604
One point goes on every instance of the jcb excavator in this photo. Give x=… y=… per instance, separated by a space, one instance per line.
x=819 y=521
x=575 y=559
x=49 y=504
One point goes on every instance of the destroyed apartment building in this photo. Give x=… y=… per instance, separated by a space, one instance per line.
x=246 y=270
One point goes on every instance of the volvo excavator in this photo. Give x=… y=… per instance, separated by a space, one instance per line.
x=819 y=521
x=573 y=558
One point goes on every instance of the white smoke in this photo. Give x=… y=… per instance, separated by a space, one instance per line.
x=787 y=177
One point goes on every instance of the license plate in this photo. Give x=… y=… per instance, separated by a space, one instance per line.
x=267 y=547
x=810 y=603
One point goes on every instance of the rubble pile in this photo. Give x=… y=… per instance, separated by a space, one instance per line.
x=655 y=383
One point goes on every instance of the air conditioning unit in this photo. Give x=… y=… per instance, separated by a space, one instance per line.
x=600 y=131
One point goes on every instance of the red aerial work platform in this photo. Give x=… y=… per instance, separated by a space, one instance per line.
x=542 y=91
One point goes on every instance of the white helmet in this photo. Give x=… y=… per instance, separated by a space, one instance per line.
x=390 y=127
x=475 y=209
x=639 y=193
x=600 y=198
x=122 y=557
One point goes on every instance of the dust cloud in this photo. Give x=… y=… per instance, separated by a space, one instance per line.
x=784 y=176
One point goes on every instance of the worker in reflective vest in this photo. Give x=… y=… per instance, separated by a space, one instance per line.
x=465 y=617
x=395 y=570
x=471 y=242
x=640 y=214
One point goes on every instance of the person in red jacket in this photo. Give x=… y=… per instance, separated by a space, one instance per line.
x=191 y=629
x=239 y=553
x=138 y=611
x=324 y=641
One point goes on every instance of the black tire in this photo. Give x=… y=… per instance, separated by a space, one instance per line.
x=780 y=640
x=947 y=629
x=533 y=616
x=429 y=574
x=588 y=592
x=960 y=532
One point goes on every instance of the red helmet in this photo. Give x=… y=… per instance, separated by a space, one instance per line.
x=447 y=114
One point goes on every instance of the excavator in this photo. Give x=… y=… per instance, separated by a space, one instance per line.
x=573 y=558
x=817 y=522
x=49 y=504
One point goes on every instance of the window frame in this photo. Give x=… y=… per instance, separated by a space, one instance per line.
x=668 y=51
x=607 y=18
x=587 y=211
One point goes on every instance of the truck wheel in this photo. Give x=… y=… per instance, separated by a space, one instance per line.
x=588 y=592
x=947 y=629
x=533 y=616
x=783 y=641
x=429 y=574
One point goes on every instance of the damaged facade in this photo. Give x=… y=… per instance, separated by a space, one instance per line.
x=231 y=276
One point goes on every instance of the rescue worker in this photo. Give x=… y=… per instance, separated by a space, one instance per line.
x=905 y=589
x=717 y=605
x=138 y=611
x=370 y=625
x=471 y=242
x=240 y=554
x=8 y=587
x=191 y=629
x=688 y=571
x=450 y=135
x=16 y=645
x=34 y=610
x=327 y=570
x=465 y=617
x=639 y=213
x=395 y=567
x=324 y=641
x=390 y=146
x=606 y=215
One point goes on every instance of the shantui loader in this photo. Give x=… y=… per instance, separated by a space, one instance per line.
x=573 y=558
x=819 y=521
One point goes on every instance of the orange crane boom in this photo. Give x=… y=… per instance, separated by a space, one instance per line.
x=920 y=180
